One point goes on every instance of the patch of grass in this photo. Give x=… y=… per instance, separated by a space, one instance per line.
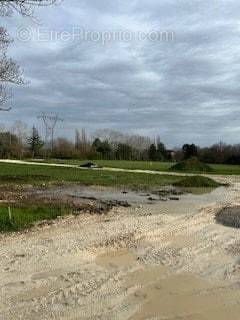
x=15 y=174
x=229 y=216
x=225 y=169
x=25 y=179
x=24 y=217
x=196 y=182
x=121 y=164
x=34 y=174
x=148 y=165
x=191 y=165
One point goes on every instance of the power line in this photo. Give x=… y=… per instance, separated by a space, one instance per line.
x=49 y=122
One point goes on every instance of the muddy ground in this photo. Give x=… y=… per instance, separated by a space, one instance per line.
x=153 y=260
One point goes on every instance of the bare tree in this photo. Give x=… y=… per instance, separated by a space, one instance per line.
x=82 y=144
x=3 y=127
x=4 y=39
x=10 y=72
x=5 y=94
x=115 y=137
x=24 y=7
x=20 y=129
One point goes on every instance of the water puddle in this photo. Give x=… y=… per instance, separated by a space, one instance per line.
x=181 y=296
x=118 y=258
x=161 y=294
x=197 y=197
x=192 y=203
x=103 y=194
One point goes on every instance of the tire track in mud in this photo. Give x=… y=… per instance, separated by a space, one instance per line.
x=55 y=274
x=74 y=292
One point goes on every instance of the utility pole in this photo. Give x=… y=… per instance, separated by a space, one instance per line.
x=49 y=122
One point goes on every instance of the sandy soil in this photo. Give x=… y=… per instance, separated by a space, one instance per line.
x=134 y=263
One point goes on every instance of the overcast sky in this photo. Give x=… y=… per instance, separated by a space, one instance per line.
x=185 y=89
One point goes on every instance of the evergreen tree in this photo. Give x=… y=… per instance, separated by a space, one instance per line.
x=103 y=147
x=152 y=152
x=97 y=143
x=161 y=151
x=35 y=143
x=189 y=151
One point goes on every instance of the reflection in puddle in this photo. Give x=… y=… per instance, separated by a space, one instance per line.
x=192 y=203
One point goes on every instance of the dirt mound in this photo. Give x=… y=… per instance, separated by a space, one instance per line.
x=197 y=182
x=191 y=165
x=89 y=165
x=229 y=216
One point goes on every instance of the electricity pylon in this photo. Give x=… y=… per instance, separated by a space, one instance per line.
x=49 y=122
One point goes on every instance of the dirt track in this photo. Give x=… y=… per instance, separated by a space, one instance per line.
x=130 y=264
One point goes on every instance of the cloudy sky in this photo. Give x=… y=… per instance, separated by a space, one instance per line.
x=185 y=88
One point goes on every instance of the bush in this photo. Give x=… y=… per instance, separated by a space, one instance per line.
x=196 y=182
x=191 y=165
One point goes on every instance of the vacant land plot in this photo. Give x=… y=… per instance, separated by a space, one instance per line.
x=165 y=258
x=26 y=208
x=134 y=263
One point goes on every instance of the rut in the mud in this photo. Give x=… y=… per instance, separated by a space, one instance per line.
x=134 y=263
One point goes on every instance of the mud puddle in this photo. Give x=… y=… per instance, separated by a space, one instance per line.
x=159 y=294
x=102 y=194
x=201 y=197
x=118 y=258
x=182 y=296
x=192 y=203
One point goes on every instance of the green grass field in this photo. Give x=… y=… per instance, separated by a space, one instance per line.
x=122 y=164
x=225 y=169
x=147 y=165
x=37 y=175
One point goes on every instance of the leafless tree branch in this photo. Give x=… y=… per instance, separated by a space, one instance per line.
x=10 y=72
x=23 y=7
x=5 y=94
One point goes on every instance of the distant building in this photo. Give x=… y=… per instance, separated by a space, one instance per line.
x=171 y=154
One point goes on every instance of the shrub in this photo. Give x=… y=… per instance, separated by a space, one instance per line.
x=196 y=182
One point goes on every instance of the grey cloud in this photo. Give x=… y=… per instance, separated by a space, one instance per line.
x=185 y=90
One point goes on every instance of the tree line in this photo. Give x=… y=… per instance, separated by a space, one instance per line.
x=21 y=142
x=218 y=153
